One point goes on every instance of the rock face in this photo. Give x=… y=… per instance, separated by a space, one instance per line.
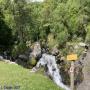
x=55 y=51
x=28 y=57
x=36 y=53
x=85 y=85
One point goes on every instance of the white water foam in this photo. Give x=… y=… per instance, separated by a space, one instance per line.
x=53 y=71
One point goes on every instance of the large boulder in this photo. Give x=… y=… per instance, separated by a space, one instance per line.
x=36 y=52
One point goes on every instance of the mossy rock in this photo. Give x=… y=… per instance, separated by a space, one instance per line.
x=32 y=62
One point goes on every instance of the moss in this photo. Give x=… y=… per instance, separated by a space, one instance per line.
x=31 y=62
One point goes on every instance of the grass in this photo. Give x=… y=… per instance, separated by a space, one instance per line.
x=14 y=76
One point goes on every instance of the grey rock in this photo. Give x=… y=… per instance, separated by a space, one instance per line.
x=1 y=57
x=24 y=57
x=36 y=50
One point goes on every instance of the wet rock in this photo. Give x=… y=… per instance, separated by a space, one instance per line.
x=23 y=57
x=78 y=74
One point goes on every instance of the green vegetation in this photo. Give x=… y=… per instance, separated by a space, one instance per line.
x=54 y=23
x=65 y=20
x=14 y=75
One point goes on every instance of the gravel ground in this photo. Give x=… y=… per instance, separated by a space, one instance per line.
x=85 y=85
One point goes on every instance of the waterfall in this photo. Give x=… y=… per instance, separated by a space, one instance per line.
x=52 y=69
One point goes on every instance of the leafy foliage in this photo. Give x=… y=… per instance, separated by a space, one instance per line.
x=6 y=37
x=65 y=20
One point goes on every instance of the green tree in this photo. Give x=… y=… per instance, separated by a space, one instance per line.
x=6 y=37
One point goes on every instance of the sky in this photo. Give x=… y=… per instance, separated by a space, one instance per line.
x=38 y=0
x=35 y=0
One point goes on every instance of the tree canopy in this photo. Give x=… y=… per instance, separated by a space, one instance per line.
x=65 y=20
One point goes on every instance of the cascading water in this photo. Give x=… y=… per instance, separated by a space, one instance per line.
x=52 y=69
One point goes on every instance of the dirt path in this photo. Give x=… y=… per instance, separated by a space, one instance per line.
x=85 y=85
